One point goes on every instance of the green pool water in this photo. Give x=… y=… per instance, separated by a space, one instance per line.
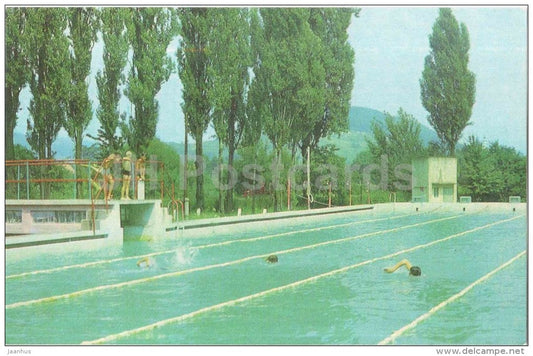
x=328 y=287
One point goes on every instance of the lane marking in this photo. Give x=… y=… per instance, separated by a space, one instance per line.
x=95 y=263
x=218 y=265
x=443 y=304
x=277 y=289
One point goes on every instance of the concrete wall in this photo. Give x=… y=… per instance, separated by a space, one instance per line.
x=434 y=180
x=143 y=221
x=419 y=181
x=116 y=220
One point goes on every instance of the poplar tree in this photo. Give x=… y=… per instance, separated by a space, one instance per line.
x=230 y=60
x=150 y=31
x=16 y=71
x=83 y=28
x=337 y=58
x=49 y=82
x=194 y=62
x=110 y=79
x=287 y=87
x=448 y=87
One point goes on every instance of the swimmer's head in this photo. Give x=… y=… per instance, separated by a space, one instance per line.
x=272 y=259
x=415 y=271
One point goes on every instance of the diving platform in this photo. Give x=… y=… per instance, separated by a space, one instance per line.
x=38 y=222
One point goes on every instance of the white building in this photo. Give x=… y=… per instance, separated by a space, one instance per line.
x=434 y=180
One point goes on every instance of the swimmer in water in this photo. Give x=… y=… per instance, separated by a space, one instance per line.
x=145 y=262
x=413 y=270
x=272 y=259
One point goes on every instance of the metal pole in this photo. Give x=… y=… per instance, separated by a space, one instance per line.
x=329 y=195
x=308 y=180
x=289 y=193
x=89 y=180
x=75 y=179
x=133 y=180
x=27 y=181
x=350 y=192
x=18 y=182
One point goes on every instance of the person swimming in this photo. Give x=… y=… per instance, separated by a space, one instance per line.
x=272 y=259
x=145 y=262
x=413 y=270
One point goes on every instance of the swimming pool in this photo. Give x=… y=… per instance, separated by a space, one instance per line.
x=328 y=287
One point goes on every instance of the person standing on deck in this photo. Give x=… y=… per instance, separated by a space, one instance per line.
x=126 y=176
x=140 y=167
x=109 y=180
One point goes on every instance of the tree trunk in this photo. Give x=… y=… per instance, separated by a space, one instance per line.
x=220 y=178
x=276 y=181
x=253 y=192
x=77 y=155
x=185 y=167
x=231 y=155
x=11 y=120
x=229 y=191
x=199 y=176
x=48 y=185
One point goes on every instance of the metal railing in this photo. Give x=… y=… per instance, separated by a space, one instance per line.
x=69 y=179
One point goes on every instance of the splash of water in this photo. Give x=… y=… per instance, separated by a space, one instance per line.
x=184 y=255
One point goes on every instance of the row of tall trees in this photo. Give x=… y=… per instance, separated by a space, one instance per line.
x=50 y=51
x=283 y=73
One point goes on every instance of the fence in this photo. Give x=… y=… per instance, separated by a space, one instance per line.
x=73 y=179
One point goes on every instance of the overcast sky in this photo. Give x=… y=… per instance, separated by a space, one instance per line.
x=390 y=45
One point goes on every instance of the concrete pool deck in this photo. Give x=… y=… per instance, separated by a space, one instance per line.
x=126 y=220
x=214 y=226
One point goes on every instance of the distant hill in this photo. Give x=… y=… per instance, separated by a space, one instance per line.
x=350 y=143
x=210 y=148
x=62 y=146
x=361 y=119
x=353 y=142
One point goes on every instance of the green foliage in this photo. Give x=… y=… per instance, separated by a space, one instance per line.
x=447 y=86
x=17 y=72
x=49 y=83
x=491 y=173
x=337 y=58
x=287 y=91
x=83 y=27
x=397 y=143
x=194 y=61
x=231 y=58
x=22 y=153
x=327 y=167
x=162 y=152
x=93 y=152
x=111 y=77
x=289 y=77
x=150 y=31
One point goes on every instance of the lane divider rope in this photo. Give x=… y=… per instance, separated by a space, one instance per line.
x=232 y=302
x=443 y=304
x=219 y=265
